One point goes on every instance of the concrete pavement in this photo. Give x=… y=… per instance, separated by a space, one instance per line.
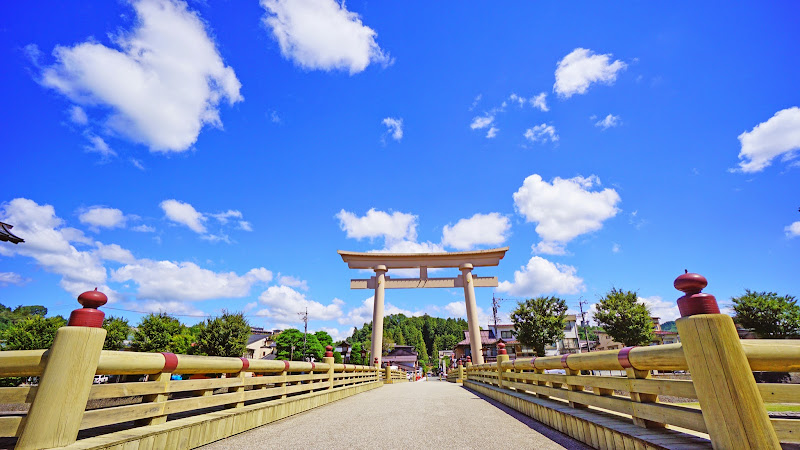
x=428 y=414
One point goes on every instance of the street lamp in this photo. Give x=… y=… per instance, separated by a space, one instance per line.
x=363 y=355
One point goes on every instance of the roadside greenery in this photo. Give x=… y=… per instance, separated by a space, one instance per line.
x=225 y=335
x=117 y=332
x=624 y=318
x=539 y=322
x=769 y=315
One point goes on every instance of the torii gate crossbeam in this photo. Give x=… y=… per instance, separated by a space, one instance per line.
x=464 y=261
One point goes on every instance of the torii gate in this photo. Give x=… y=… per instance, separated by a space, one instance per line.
x=464 y=261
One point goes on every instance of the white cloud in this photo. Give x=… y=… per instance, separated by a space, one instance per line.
x=459 y=310
x=322 y=34
x=609 y=121
x=99 y=146
x=480 y=122
x=113 y=252
x=393 y=227
x=395 y=127
x=186 y=281
x=7 y=278
x=136 y=163
x=514 y=98
x=492 y=132
x=78 y=115
x=565 y=208
x=101 y=217
x=162 y=83
x=223 y=217
x=780 y=135
x=581 y=68
x=49 y=243
x=284 y=303
x=793 y=230
x=549 y=248
x=664 y=310
x=541 y=276
x=541 y=133
x=363 y=314
x=288 y=280
x=185 y=214
x=540 y=102
x=406 y=246
x=616 y=248
x=245 y=225
x=480 y=229
x=167 y=306
x=335 y=333
x=143 y=228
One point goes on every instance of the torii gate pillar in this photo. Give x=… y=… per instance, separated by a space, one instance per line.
x=472 y=314
x=377 y=315
x=380 y=263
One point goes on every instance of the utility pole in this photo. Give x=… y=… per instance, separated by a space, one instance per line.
x=583 y=323
x=305 y=331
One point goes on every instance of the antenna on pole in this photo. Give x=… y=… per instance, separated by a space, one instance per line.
x=304 y=315
x=583 y=323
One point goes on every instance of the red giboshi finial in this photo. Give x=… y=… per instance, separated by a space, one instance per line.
x=501 y=349
x=469 y=359
x=89 y=315
x=328 y=351
x=694 y=301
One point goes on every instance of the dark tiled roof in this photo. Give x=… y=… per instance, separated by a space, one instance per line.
x=7 y=236
x=487 y=337
x=255 y=337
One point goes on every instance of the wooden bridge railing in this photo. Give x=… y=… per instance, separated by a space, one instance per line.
x=248 y=392
x=731 y=413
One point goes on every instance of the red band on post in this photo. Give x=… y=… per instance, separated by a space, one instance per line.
x=285 y=366
x=564 y=361
x=245 y=363
x=623 y=358
x=313 y=366
x=533 y=362
x=170 y=362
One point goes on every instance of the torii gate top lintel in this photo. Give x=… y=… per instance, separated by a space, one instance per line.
x=478 y=258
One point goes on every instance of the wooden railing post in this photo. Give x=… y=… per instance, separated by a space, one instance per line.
x=733 y=409
x=239 y=389
x=56 y=413
x=329 y=360
x=284 y=374
x=570 y=386
x=638 y=397
x=163 y=378
x=387 y=377
x=502 y=356
x=460 y=378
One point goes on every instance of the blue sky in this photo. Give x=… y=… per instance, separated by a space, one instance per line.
x=194 y=157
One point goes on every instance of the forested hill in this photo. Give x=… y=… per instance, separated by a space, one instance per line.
x=427 y=334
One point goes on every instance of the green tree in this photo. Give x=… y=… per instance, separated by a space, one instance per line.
x=539 y=322
x=337 y=357
x=624 y=318
x=768 y=314
x=32 y=333
x=8 y=316
x=355 y=354
x=669 y=326
x=117 y=331
x=289 y=345
x=324 y=338
x=225 y=335
x=158 y=333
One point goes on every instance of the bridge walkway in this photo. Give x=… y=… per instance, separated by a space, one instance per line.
x=430 y=414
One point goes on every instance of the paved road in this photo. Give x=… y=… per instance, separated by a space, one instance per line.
x=428 y=414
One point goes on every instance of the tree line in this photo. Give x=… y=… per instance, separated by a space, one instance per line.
x=27 y=328
x=539 y=322
x=428 y=335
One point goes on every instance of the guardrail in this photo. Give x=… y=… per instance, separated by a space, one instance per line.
x=732 y=412
x=222 y=396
